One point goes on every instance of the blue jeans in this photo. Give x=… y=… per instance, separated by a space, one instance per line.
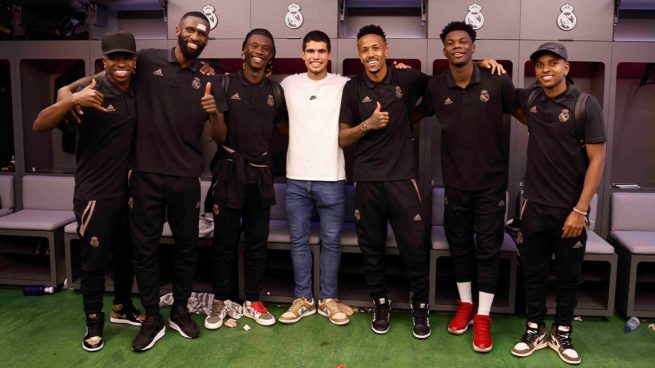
x=329 y=199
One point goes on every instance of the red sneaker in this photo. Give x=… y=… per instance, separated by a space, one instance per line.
x=460 y=322
x=482 y=333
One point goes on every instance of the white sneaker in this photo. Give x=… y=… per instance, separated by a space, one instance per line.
x=214 y=320
x=258 y=312
x=301 y=307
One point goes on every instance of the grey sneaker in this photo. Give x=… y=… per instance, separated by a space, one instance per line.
x=258 y=312
x=560 y=341
x=214 y=320
x=532 y=340
x=301 y=307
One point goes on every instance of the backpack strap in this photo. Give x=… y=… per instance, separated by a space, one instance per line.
x=278 y=96
x=581 y=117
x=532 y=96
x=225 y=84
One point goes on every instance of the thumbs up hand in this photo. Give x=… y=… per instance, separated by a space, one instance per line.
x=89 y=97
x=208 y=101
x=378 y=119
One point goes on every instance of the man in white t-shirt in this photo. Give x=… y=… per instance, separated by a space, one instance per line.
x=315 y=177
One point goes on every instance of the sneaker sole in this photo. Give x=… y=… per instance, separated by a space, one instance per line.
x=564 y=358
x=527 y=354
x=213 y=326
x=422 y=337
x=93 y=349
x=158 y=337
x=177 y=328
x=338 y=323
x=122 y=321
x=380 y=332
x=482 y=350
x=459 y=332
x=290 y=321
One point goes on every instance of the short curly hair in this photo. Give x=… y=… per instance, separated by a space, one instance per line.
x=371 y=29
x=457 y=26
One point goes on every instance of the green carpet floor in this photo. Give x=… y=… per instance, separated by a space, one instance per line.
x=46 y=331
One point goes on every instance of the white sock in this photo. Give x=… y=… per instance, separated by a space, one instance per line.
x=464 y=289
x=485 y=300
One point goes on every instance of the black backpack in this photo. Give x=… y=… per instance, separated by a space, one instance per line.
x=580 y=117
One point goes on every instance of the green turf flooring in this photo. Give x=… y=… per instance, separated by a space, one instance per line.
x=46 y=331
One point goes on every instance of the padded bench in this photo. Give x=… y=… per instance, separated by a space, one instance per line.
x=632 y=230
x=279 y=282
x=6 y=194
x=444 y=297
x=47 y=208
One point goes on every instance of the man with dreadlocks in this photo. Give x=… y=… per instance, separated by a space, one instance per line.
x=243 y=190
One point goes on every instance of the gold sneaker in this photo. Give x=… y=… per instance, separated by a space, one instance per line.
x=330 y=308
x=300 y=308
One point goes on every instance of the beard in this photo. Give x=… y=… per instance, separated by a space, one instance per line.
x=187 y=52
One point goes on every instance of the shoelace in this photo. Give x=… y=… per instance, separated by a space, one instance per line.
x=564 y=339
x=530 y=335
x=483 y=327
x=217 y=308
x=462 y=315
x=420 y=316
x=332 y=307
x=259 y=307
x=381 y=312
x=296 y=305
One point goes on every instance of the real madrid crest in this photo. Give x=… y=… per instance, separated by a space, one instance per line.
x=399 y=92
x=564 y=115
x=209 y=10
x=484 y=95
x=474 y=17
x=294 y=18
x=270 y=101
x=357 y=215
x=94 y=242
x=196 y=83
x=566 y=20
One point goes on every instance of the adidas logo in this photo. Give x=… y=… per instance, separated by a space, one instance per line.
x=533 y=109
x=158 y=72
x=235 y=96
x=367 y=99
x=417 y=217
x=110 y=108
x=577 y=245
x=501 y=203
x=448 y=101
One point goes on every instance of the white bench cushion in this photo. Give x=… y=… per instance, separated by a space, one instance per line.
x=6 y=191
x=5 y=211
x=439 y=241
x=633 y=211
x=597 y=245
x=639 y=242
x=36 y=220
x=48 y=192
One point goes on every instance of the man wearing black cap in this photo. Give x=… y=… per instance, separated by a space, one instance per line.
x=104 y=146
x=564 y=165
x=167 y=164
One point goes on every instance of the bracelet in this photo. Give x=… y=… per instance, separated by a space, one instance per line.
x=363 y=127
x=583 y=213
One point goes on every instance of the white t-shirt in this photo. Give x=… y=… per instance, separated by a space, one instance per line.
x=313 y=106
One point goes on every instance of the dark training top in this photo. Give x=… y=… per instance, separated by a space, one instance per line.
x=170 y=118
x=555 y=166
x=474 y=140
x=251 y=115
x=104 y=144
x=384 y=154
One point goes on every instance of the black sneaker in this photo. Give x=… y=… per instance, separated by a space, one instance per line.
x=532 y=340
x=560 y=341
x=181 y=322
x=152 y=329
x=421 y=320
x=93 y=340
x=126 y=314
x=381 y=315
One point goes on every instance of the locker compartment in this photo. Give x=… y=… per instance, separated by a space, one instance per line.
x=52 y=151
x=7 y=161
x=293 y=19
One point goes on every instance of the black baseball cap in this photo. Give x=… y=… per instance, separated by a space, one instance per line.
x=554 y=48
x=118 y=42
